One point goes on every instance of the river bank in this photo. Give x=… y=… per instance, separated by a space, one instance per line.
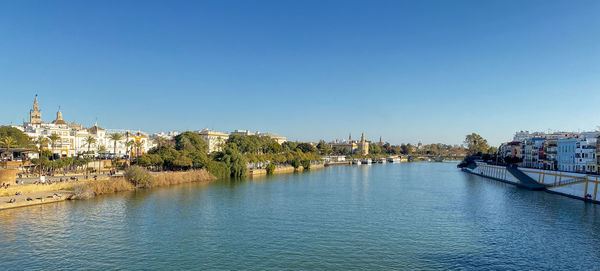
x=86 y=189
x=35 y=194
x=281 y=170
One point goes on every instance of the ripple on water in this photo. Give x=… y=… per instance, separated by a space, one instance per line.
x=379 y=217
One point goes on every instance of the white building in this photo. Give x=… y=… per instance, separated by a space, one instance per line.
x=168 y=135
x=215 y=140
x=72 y=138
x=278 y=138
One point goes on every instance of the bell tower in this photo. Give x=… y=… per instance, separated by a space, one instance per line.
x=35 y=115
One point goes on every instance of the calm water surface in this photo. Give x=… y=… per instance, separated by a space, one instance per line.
x=379 y=217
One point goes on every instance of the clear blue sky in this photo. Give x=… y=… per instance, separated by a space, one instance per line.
x=405 y=70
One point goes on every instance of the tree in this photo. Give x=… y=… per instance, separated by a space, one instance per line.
x=191 y=142
x=115 y=137
x=41 y=142
x=7 y=142
x=129 y=146
x=160 y=141
x=324 y=148
x=138 y=148
x=270 y=169
x=101 y=150
x=53 y=139
x=20 y=138
x=306 y=147
x=89 y=141
x=476 y=144
x=236 y=162
x=407 y=149
x=374 y=148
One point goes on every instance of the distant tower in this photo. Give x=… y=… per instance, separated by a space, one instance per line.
x=364 y=145
x=59 y=118
x=35 y=115
x=350 y=138
x=58 y=114
x=380 y=142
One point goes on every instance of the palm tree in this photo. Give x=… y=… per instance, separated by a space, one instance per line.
x=160 y=141
x=138 y=148
x=101 y=150
x=8 y=142
x=53 y=139
x=129 y=145
x=89 y=141
x=115 y=137
x=41 y=142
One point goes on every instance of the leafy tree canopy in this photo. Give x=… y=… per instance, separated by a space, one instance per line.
x=20 y=139
x=476 y=144
x=191 y=142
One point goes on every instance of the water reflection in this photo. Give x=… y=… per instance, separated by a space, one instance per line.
x=379 y=217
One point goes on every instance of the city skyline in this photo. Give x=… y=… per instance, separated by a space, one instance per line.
x=406 y=71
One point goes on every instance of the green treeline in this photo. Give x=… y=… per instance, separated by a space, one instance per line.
x=189 y=151
x=386 y=149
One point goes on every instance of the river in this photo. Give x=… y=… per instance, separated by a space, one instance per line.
x=378 y=217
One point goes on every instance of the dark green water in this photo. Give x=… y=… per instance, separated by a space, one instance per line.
x=379 y=217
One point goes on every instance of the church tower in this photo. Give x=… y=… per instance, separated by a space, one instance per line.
x=59 y=118
x=35 y=115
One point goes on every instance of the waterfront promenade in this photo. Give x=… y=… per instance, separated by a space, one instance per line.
x=575 y=185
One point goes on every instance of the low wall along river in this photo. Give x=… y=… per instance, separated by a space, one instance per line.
x=575 y=185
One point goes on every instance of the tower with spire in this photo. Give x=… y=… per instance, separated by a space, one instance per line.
x=35 y=115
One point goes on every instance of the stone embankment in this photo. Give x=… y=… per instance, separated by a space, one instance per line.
x=280 y=170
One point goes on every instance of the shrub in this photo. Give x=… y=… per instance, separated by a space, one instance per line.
x=296 y=163
x=236 y=162
x=169 y=178
x=306 y=164
x=82 y=191
x=270 y=169
x=95 y=188
x=218 y=169
x=138 y=176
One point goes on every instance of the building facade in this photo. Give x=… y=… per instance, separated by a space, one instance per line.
x=566 y=154
x=578 y=155
x=215 y=140
x=72 y=138
x=352 y=146
x=280 y=139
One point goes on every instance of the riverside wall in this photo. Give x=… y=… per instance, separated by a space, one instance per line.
x=574 y=185
x=280 y=170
